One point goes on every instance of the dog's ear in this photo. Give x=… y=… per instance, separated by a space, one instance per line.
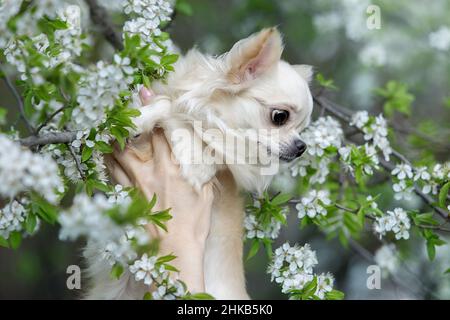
x=305 y=71
x=251 y=57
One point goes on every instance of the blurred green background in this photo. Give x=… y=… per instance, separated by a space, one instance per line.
x=333 y=37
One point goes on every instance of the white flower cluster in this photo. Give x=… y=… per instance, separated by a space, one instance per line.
x=12 y=217
x=324 y=133
x=68 y=41
x=403 y=188
x=440 y=39
x=386 y=258
x=369 y=162
x=292 y=267
x=148 y=16
x=21 y=171
x=99 y=89
x=396 y=221
x=146 y=270
x=313 y=204
x=375 y=130
x=373 y=55
x=8 y=9
x=87 y=218
x=257 y=230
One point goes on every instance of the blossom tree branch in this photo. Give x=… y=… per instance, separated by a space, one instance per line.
x=101 y=18
x=342 y=114
x=49 y=138
x=18 y=98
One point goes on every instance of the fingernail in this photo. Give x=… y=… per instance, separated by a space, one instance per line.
x=146 y=95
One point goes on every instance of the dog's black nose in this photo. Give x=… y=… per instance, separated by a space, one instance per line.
x=300 y=147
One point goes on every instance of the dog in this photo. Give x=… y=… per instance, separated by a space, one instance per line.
x=240 y=93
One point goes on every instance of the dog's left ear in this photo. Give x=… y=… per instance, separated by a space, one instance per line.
x=253 y=56
x=305 y=71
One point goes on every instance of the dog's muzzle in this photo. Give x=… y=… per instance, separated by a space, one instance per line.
x=295 y=150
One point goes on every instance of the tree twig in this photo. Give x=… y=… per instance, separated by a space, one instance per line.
x=101 y=18
x=50 y=118
x=77 y=161
x=342 y=114
x=49 y=138
x=18 y=98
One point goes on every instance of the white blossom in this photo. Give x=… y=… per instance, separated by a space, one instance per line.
x=21 y=170
x=99 y=89
x=324 y=133
x=373 y=55
x=255 y=229
x=144 y=269
x=440 y=39
x=148 y=16
x=385 y=257
x=313 y=203
x=422 y=174
x=402 y=171
x=325 y=284
x=167 y=287
x=86 y=218
x=402 y=190
x=292 y=267
x=396 y=221
x=12 y=217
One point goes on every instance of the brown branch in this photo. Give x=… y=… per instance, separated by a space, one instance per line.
x=101 y=18
x=50 y=118
x=344 y=115
x=18 y=98
x=77 y=161
x=49 y=138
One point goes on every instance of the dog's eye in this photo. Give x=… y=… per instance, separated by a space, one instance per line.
x=279 y=117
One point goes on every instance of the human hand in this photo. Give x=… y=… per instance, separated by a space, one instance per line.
x=147 y=164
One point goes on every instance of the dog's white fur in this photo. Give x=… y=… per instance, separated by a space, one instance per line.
x=236 y=90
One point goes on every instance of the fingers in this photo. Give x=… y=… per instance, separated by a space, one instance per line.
x=142 y=147
x=161 y=148
x=146 y=96
x=128 y=161
x=116 y=171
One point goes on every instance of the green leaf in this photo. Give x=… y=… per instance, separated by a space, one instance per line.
x=3 y=113
x=447 y=271
x=184 y=7
x=86 y=153
x=3 y=242
x=116 y=132
x=443 y=194
x=166 y=259
x=253 y=249
x=147 y=296
x=431 y=250
x=169 y=59
x=43 y=209
x=103 y=147
x=397 y=98
x=117 y=271
x=334 y=295
x=280 y=199
x=326 y=83
x=15 y=239
x=199 y=296
x=30 y=223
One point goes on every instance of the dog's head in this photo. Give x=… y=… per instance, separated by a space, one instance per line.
x=261 y=91
x=249 y=88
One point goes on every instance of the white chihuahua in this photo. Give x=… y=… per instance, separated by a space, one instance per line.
x=247 y=93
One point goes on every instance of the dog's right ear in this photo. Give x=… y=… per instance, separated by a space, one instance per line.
x=253 y=56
